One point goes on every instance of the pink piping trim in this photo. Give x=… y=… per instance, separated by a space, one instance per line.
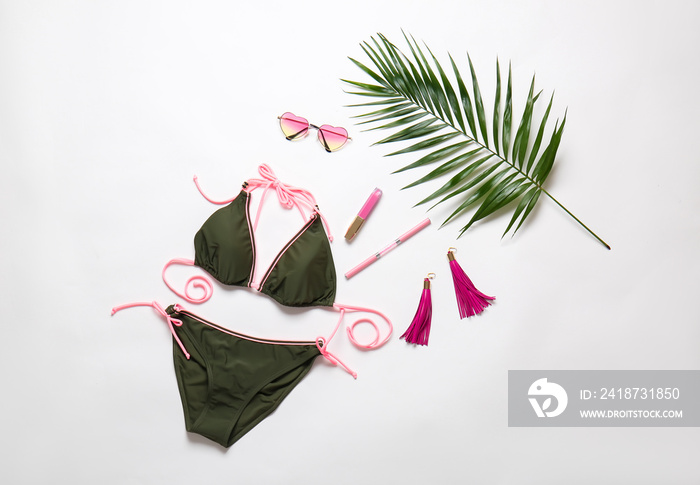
x=279 y=256
x=321 y=342
x=172 y=322
x=197 y=281
x=325 y=224
x=180 y=309
x=254 y=266
x=376 y=343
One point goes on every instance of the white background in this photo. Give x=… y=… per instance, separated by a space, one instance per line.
x=107 y=110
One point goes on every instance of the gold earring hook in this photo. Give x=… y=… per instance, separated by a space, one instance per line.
x=431 y=277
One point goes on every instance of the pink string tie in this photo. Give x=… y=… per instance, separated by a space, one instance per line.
x=289 y=196
x=199 y=282
x=378 y=340
x=217 y=202
x=172 y=322
x=286 y=194
x=322 y=345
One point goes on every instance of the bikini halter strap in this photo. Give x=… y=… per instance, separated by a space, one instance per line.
x=172 y=322
x=288 y=195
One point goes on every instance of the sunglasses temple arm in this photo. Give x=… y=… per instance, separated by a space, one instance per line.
x=296 y=135
x=324 y=143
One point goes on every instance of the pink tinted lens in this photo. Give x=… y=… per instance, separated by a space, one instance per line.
x=332 y=138
x=293 y=127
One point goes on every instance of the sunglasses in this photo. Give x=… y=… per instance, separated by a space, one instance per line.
x=295 y=127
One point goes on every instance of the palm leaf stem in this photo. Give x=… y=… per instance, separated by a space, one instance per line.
x=575 y=218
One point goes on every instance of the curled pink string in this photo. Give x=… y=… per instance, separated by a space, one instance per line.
x=322 y=343
x=199 y=282
x=376 y=343
x=172 y=322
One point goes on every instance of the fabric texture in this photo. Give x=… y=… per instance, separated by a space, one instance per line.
x=302 y=274
x=223 y=245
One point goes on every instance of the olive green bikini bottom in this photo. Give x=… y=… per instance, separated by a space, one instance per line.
x=231 y=382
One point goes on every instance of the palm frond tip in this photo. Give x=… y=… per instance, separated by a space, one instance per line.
x=506 y=167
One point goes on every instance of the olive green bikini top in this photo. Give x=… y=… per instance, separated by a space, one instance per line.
x=301 y=275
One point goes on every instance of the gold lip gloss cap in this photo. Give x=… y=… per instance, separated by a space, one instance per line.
x=363 y=214
x=354 y=227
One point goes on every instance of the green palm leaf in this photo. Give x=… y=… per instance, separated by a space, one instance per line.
x=414 y=96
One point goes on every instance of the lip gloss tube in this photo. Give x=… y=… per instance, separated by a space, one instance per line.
x=363 y=214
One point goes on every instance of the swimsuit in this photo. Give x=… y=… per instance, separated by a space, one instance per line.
x=302 y=274
x=228 y=381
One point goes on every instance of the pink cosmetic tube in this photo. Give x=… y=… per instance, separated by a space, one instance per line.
x=391 y=246
x=363 y=214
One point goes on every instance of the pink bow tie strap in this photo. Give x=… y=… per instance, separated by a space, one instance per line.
x=172 y=322
x=322 y=344
x=288 y=195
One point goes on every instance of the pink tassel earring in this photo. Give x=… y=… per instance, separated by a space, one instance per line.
x=419 y=330
x=469 y=300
